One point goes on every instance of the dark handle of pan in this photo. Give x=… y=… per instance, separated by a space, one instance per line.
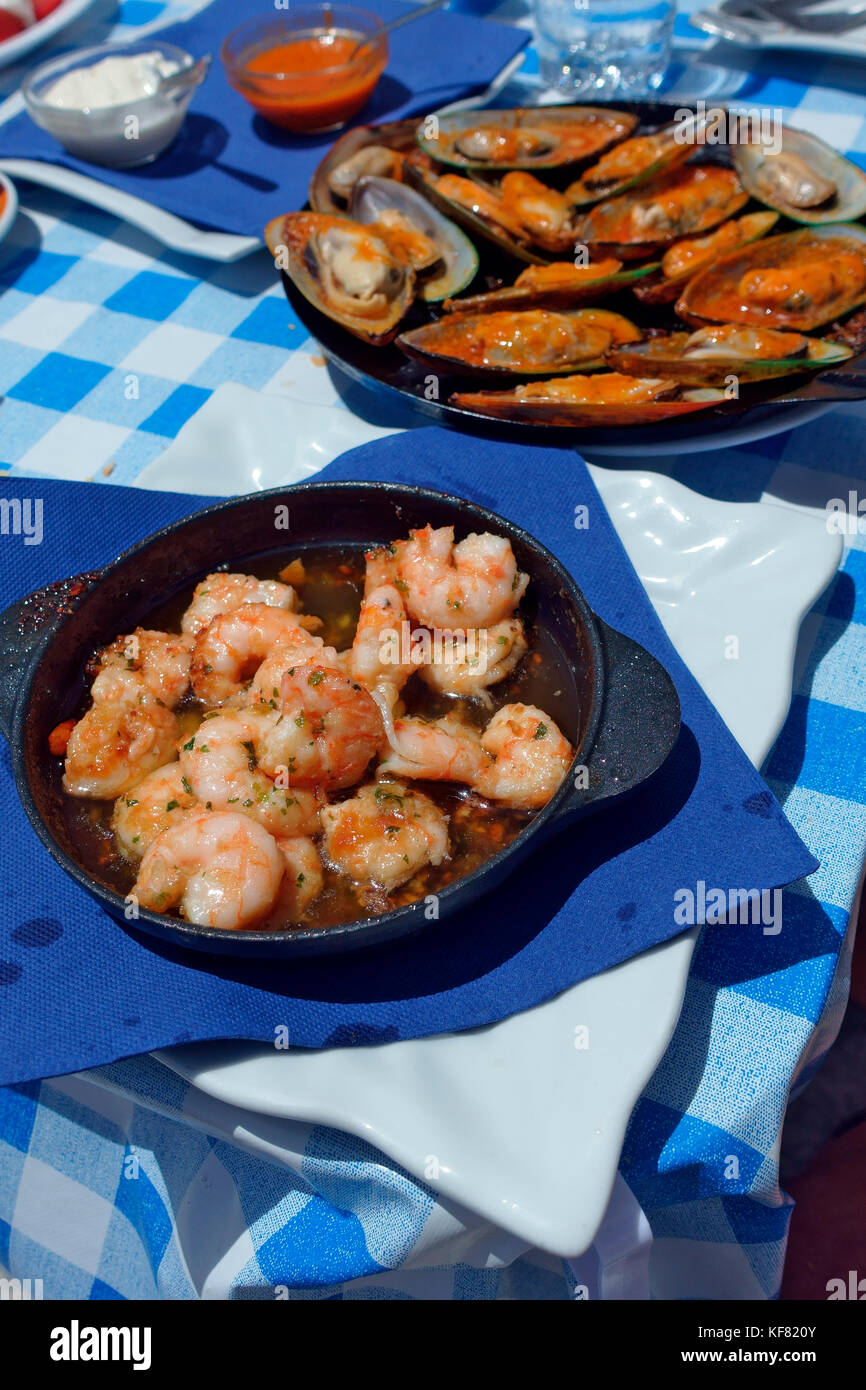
x=23 y=626
x=638 y=727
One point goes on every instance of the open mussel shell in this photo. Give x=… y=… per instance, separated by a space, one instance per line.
x=473 y=220
x=662 y=288
x=536 y=342
x=365 y=150
x=798 y=280
x=566 y=293
x=805 y=179
x=457 y=262
x=637 y=160
x=345 y=271
x=523 y=138
x=710 y=357
x=682 y=202
x=605 y=401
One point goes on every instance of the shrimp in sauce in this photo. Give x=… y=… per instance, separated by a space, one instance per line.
x=233 y=761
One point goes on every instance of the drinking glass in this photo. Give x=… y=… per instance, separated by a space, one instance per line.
x=604 y=48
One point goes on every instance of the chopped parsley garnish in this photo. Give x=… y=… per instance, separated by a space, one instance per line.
x=381 y=795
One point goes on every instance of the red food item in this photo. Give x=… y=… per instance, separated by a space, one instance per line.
x=10 y=25
x=59 y=738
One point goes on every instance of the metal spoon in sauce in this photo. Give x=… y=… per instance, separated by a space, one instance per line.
x=395 y=24
x=186 y=80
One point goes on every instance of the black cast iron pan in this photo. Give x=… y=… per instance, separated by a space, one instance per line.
x=620 y=706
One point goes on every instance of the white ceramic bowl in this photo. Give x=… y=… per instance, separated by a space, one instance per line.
x=121 y=136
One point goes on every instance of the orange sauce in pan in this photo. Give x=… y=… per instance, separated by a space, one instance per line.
x=308 y=84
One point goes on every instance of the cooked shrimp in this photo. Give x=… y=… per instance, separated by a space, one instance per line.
x=380 y=568
x=126 y=733
x=327 y=730
x=480 y=658
x=377 y=657
x=220 y=764
x=162 y=658
x=384 y=834
x=475 y=583
x=532 y=757
x=223 y=593
x=151 y=806
x=302 y=882
x=219 y=869
x=229 y=651
x=443 y=750
x=292 y=649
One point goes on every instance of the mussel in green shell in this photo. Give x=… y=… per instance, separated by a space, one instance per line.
x=608 y=399
x=682 y=202
x=523 y=138
x=443 y=256
x=345 y=271
x=378 y=151
x=535 y=342
x=798 y=280
x=559 y=285
x=480 y=208
x=710 y=355
x=637 y=160
x=803 y=178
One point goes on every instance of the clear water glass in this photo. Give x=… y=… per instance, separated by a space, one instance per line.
x=604 y=48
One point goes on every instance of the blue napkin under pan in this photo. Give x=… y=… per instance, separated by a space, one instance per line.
x=231 y=170
x=77 y=989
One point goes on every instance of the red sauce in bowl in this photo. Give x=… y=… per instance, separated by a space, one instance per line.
x=309 y=83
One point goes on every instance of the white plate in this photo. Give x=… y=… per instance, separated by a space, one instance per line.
x=768 y=35
x=527 y=1130
x=12 y=50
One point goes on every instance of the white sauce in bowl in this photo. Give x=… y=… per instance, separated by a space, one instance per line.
x=111 y=82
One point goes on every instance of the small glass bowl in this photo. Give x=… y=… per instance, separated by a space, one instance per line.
x=302 y=99
x=122 y=136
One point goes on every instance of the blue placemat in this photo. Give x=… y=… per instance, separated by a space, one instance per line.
x=231 y=170
x=78 y=990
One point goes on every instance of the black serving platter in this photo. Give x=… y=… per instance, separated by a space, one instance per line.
x=390 y=374
x=621 y=709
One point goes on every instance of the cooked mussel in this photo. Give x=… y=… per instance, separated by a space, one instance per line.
x=559 y=285
x=798 y=280
x=480 y=208
x=378 y=151
x=711 y=355
x=608 y=399
x=536 y=342
x=804 y=178
x=544 y=215
x=685 y=258
x=531 y=138
x=443 y=256
x=637 y=160
x=345 y=271
x=681 y=202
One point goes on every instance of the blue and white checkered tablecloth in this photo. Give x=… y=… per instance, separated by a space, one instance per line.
x=108 y=344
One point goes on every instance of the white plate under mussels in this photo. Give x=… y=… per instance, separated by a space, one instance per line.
x=527 y=1130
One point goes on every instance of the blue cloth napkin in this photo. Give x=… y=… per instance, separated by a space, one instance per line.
x=77 y=990
x=233 y=171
